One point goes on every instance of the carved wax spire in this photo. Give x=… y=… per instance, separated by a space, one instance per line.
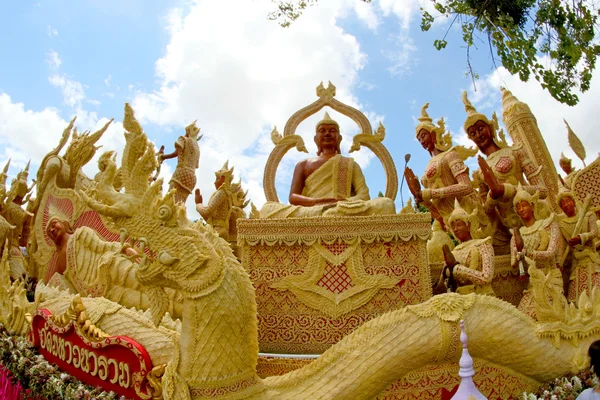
x=4 y=173
x=467 y=389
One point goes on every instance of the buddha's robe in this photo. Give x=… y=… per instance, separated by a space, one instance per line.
x=338 y=177
x=98 y=268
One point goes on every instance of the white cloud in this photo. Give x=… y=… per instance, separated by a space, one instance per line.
x=366 y=13
x=52 y=32
x=254 y=76
x=27 y=134
x=402 y=9
x=107 y=80
x=72 y=90
x=53 y=60
x=403 y=57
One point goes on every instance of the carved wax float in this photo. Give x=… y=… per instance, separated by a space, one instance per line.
x=411 y=353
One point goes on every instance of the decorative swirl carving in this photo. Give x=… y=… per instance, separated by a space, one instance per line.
x=165 y=212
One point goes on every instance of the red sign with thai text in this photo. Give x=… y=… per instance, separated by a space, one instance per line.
x=116 y=363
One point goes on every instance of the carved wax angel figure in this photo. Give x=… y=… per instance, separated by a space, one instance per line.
x=91 y=266
x=188 y=157
x=504 y=168
x=472 y=259
x=535 y=245
x=16 y=215
x=6 y=228
x=225 y=205
x=446 y=176
x=584 y=260
x=570 y=172
x=329 y=184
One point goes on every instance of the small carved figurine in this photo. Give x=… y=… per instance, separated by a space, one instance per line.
x=188 y=157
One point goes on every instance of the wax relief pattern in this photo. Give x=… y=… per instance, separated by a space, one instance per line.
x=115 y=363
x=287 y=324
x=441 y=381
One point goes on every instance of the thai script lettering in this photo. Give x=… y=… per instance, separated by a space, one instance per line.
x=89 y=361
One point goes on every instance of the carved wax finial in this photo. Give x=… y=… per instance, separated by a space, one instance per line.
x=326 y=94
x=466 y=389
x=275 y=136
x=576 y=143
x=5 y=170
x=129 y=122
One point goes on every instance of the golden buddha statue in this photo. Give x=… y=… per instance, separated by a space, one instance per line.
x=583 y=259
x=329 y=184
x=225 y=205
x=535 y=245
x=504 y=168
x=446 y=176
x=188 y=157
x=472 y=261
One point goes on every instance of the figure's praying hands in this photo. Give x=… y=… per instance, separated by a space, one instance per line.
x=413 y=184
x=448 y=257
x=496 y=188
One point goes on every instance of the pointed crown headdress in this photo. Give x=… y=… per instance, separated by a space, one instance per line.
x=192 y=130
x=523 y=195
x=225 y=171
x=443 y=140
x=459 y=214
x=327 y=120
x=564 y=192
x=563 y=158
x=473 y=116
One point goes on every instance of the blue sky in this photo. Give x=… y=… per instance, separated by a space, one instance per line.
x=223 y=63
